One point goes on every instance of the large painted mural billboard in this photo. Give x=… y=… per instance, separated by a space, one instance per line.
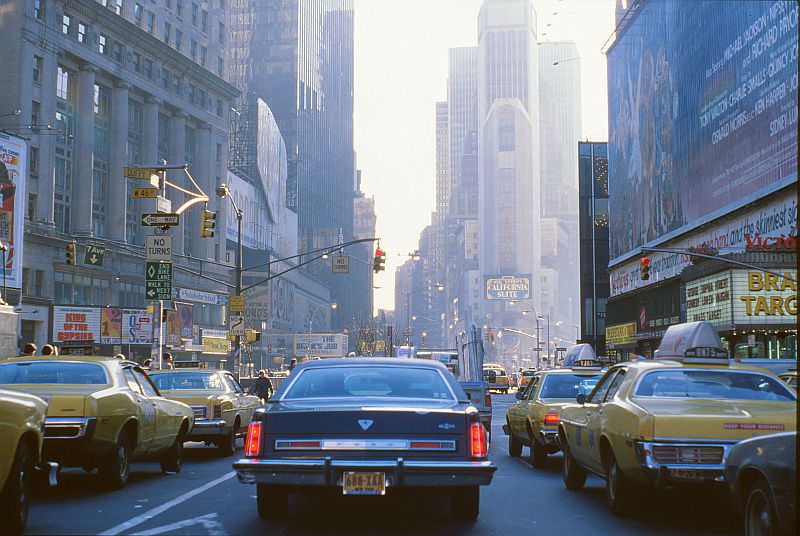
x=702 y=114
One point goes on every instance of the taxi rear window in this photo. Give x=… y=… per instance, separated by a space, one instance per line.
x=185 y=381
x=390 y=382
x=53 y=372
x=714 y=384
x=568 y=385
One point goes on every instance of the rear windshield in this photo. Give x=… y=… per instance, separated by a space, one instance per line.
x=568 y=385
x=528 y=372
x=53 y=372
x=177 y=381
x=715 y=384
x=389 y=382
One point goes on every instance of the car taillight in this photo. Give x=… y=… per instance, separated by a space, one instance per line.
x=551 y=419
x=252 y=445
x=217 y=412
x=488 y=400
x=477 y=440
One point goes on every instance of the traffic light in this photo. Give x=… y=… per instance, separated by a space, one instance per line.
x=72 y=253
x=379 y=261
x=644 y=269
x=208 y=224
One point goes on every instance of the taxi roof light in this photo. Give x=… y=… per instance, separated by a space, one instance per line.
x=692 y=341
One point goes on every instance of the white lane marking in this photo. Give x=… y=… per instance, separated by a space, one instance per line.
x=150 y=514
x=213 y=526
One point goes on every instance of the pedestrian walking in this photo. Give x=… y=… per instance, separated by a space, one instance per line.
x=292 y=364
x=147 y=363
x=49 y=349
x=30 y=349
x=166 y=361
x=263 y=386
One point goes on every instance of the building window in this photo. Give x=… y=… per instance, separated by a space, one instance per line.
x=131 y=294
x=101 y=158
x=62 y=83
x=137 y=62
x=101 y=44
x=178 y=39
x=221 y=33
x=38 y=9
x=220 y=65
x=193 y=50
x=147 y=68
x=34 y=161
x=32 y=197
x=36 y=113
x=506 y=134
x=167 y=32
x=38 y=66
x=203 y=54
x=81 y=32
x=166 y=78
x=219 y=107
x=138 y=12
x=66 y=21
x=80 y=289
x=118 y=8
x=117 y=51
x=151 y=22
x=32 y=279
x=194 y=15
x=219 y=152
x=204 y=21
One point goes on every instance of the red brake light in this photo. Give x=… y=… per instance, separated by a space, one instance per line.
x=551 y=419
x=252 y=445
x=477 y=440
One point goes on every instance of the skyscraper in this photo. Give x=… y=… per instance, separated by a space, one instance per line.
x=509 y=164
x=297 y=55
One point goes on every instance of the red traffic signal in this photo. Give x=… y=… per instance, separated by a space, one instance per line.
x=379 y=260
x=72 y=249
x=644 y=268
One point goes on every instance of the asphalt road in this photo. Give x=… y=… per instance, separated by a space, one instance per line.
x=206 y=498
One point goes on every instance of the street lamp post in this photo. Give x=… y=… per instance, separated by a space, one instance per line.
x=223 y=191
x=437 y=286
x=545 y=315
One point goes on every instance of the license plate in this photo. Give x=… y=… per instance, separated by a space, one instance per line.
x=354 y=483
x=690 y=474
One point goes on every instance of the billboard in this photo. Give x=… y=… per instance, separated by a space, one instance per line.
x=76 y=324
x=508 y=287
x=13 y=180
x=321 y=345
x=137 y=327
x=702 y=114
x=111 y=325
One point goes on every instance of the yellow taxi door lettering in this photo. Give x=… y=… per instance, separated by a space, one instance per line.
x=599 y=421
x=144 y=411
x=588 y=423
x=160 y=408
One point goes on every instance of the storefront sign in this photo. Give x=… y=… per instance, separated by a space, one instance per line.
x=762 y=298
x=620 y=334
x=199 y=296
x=709 y=299
x=321 y=344
x=508 y=287
x=76 y=324
x=215 y=341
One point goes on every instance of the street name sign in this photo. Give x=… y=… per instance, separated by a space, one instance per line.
x=138 y=173
x=93 y=255
x=145 y=193
x=158 y=247
x=340 y=264
x=158 y=281
x=237 y=326
x=158 y=220
x=236 y=304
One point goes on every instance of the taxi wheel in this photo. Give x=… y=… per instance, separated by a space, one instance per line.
x=227 y=443
x=15 y=498
x=116 y=469
x=620 y=493
x=573 y=474
x=514 y=444
x=273 y=502
x=759 y=512
x=465 y=503
x=172 y=460
x=538 y=454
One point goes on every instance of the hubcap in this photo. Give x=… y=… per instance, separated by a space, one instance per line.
x=612 y=481
x=759 y=522
x=122 y=454
x=23 y=492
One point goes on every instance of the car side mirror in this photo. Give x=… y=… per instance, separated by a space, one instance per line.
x=581 y=398
x=519 y=395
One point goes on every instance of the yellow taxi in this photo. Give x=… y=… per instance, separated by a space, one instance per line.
x=525 y=378
x=672 y=419
x=790 y=378
x=496 y=376
x=101 y=413
x=533 y=420
x=222 y=409
x=21 y=436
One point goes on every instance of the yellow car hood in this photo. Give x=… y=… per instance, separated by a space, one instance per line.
x=720 y=419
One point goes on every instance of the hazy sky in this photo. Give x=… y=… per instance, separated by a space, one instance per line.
x=401 y=71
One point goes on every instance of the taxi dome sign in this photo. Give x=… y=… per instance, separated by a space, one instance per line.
x=508 y=287
x=692 y=339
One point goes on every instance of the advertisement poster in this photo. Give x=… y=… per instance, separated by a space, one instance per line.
x=76 y=324
x=508 y=287
x=215 y=341
x=137 y=327
x=110 y=325
x=179 y=324
x=321 y=345
x=702 y=114
x=13 y=178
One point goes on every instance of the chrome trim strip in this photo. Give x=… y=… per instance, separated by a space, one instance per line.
x=313 y=463
x=648 y=461
x=81 y=423
x=447 y=445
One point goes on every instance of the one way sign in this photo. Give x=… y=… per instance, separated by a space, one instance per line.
x=93 y=255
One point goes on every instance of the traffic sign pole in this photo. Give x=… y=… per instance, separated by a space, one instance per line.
x=158 y=336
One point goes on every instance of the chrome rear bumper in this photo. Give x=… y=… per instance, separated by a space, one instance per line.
x=399 y=472
x=207 y=428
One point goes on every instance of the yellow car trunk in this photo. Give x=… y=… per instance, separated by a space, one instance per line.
x=719 y=419
x=62 y=401
x=197 y=399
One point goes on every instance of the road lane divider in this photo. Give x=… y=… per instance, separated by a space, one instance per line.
x=158 y=510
